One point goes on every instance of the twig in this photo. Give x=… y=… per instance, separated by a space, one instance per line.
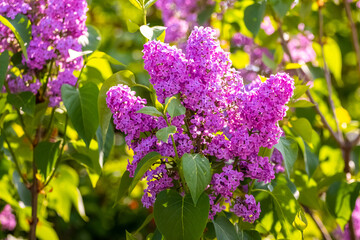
x=319 y=223
x=15 y=160
x=328 y=76
x=323 y=119
x=353 y=32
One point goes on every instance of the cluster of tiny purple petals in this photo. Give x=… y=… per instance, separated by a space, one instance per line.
x=256 y=65
x=158 y=180
x=10 y=8
x=56 y=26
x=7 y=219
x=267 y=26
x=301 y=49
x=179 y=16
x=246 y=208
x=225 y=119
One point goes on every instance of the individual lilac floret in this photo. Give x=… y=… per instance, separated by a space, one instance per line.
x=246 y=208
x=301 y=49
x=123 y=104
x=7 y=219
x=158 y=180
x=267 y=26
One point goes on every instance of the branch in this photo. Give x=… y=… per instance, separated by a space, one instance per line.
x=323 y=119
x=328 y=76
x=319 y=223
x=353 y=32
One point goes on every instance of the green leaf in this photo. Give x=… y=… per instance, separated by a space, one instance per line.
x=132 y=27
x=24 y=101
x=289 y=151
x=149 y=110
x=20 y=27
x=224 y=229
x=303 y=128
x=137 y=4
x=46 y=155
x=81 y=106
x=340 y=199
x=310 y=159
x=333 y=59
x=301 y=104
x=93 y=41
x=299 y=91
x=122 y=77
x=164 y=133
x=284 y=203
x=197 y=173
x=177 y=218
x=125 y=183
x=253 y=17
x=105 y=146
x=205 y=14
x=149 y=3
x=174 y=107
x=152 y=33
x=4 y=63
x=249 y=235
x=281 y=7
x=102 y=55
x=144 y=165
x=146 y=222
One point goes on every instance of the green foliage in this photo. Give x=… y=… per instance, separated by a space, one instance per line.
x=289 y=151
x=225 y=229
x=197 y=173
x=24 y=101
x=177 y=217
x=164 y=133
x=46 y=155
x=174 y=107
x=81 y=105
x=4 y=63
x=253 y=16
x=149 y=110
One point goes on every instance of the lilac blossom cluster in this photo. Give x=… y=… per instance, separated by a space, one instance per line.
x=7 y=219
x=56 y=27
x=224 y=120
x=256 y=65
x=179 y=16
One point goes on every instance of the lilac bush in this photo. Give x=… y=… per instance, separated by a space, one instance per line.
x=224 y=120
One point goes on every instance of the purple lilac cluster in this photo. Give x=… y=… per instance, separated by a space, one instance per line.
x=256 y=65
x=277 y=160
x=300 y=47
x=179 y=16
x=247 y=208
x=57 y=26
x=7 y=219
x=267 y=26
x=345 y=235
x=224 y=120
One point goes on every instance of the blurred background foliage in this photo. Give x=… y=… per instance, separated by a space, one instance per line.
x=96 y=213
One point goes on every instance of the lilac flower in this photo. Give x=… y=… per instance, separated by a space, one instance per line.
x=56 y=26
x=300 y=48
x=246 y=208
x=7 y=219
x=240 y=40
x=267 y=26
x=158 y=180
